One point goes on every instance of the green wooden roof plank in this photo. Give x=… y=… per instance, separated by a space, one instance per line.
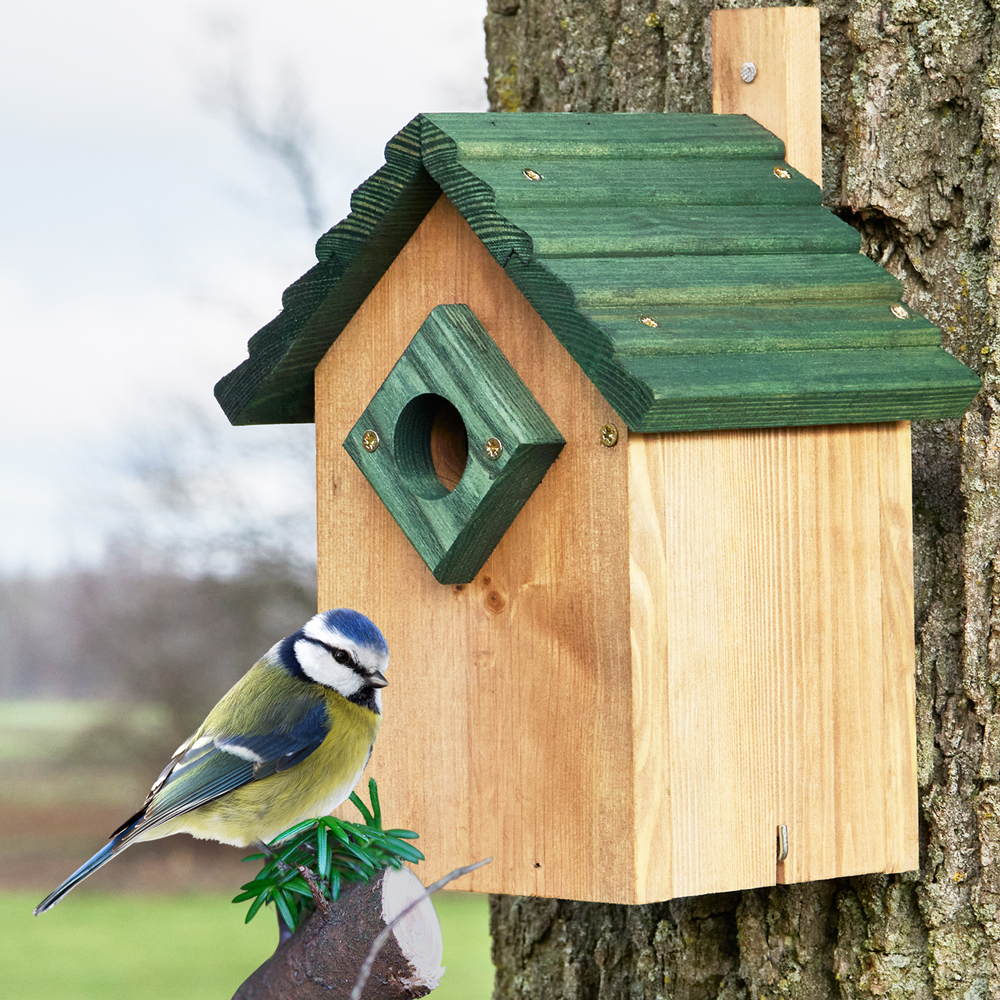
x=762 y=327
x=609 y=136
x=801 y=388
x=654 y=281
x=820 y=372
x=586 y=230
x=641 y=182
x=750 y=411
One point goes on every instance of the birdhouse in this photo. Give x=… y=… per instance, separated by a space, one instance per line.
x=612 y=425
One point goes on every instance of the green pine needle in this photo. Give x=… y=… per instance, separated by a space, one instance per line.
x=333 y=851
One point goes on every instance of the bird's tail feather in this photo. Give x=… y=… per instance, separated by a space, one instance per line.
x=102 y=857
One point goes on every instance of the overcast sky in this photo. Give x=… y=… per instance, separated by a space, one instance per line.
x=143 y=241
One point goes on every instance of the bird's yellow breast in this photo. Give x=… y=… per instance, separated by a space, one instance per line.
x=260 y=810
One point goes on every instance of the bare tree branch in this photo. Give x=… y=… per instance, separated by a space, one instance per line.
x=285 y=134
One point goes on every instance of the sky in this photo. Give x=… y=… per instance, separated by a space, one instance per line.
x=144 y=241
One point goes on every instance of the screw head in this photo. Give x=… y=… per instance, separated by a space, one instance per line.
x=494 y=449
x=609 y=435
x=532 y=175
x=782 y=173
x=648 y=321
x=900 y=312
x=370 y=441
x=748 y=72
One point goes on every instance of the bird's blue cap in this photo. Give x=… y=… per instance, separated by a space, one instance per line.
x=356 y=627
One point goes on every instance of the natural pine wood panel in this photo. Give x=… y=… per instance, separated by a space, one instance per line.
x=902 y=848
x=783 y=44
x=507 y=725
x=831 y=794
x=704 y=798
x=767 y=686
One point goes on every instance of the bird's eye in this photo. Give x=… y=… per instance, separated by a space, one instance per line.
x=342 y=656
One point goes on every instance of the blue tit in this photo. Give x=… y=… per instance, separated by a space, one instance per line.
x=288 y=742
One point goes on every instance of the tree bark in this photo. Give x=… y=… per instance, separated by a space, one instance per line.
x=911 y=132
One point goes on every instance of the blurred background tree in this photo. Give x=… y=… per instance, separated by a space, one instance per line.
x=201 y=575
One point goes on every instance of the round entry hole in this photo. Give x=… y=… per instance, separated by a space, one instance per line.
x=432 y=445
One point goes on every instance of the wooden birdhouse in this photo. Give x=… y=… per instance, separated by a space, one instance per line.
x=612 y=425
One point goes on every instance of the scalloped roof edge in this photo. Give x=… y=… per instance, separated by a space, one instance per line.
x=275 y=383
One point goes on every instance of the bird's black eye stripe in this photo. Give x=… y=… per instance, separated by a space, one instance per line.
x=339 y=654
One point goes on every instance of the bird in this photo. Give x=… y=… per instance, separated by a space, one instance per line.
x=287 y=742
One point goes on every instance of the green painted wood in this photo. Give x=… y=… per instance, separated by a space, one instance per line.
x=615 y=231
x=454 y=358
x=640 y=182
x=761 y=327
x=669 y=215
x=685 y=280
x=622 y=136
x=275 y=383
x=799 y=388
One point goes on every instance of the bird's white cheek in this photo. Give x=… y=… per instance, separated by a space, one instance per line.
x=318 y=665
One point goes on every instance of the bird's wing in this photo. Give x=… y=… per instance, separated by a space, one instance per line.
x=211 y=764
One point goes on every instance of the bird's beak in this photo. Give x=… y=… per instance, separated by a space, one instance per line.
x=377 y=680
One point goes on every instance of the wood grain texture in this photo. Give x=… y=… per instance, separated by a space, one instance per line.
x=452 y=358
x=641 y=212
x=507 y=725
x=586 y=230
x=627 y=700
x=902 y=848
x=784 y=97
x=769 y=688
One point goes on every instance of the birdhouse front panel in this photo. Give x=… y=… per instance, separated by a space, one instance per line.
x=613 y=444
x=507 y=729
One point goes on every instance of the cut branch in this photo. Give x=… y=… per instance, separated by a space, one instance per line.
x=323 y=957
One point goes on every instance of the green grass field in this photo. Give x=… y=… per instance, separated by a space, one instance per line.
x=96 y=946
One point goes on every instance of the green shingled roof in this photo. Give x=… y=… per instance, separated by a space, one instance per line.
x=696 y=286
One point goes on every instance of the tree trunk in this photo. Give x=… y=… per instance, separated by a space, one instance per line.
x=911 y=131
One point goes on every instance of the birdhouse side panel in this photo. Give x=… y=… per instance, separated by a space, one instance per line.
x=772 y=589
x=902 y=845
x=507 y=724
x=705 y=796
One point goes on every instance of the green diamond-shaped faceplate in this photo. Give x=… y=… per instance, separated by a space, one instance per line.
x=511 y=443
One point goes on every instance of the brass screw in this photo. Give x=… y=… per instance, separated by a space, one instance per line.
x=494 y=449
x=532 y=175
x=782 y=173
x=900 y=311
x=609 y=435
x=648 y=321
x=370 y=441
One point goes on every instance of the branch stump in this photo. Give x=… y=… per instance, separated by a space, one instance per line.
x=324 y=956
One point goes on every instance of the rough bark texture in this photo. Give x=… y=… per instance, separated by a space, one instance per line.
x=322 y=959
x=911 y=118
